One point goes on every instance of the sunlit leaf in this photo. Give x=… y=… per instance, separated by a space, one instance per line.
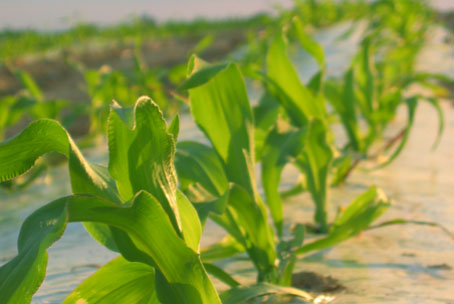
x=198 y=163
x=228 y=247
x=310 y=45
x=221 y=274
x=246 y=220
x=280 y=147
x=18 y=155
x=358 y=216
x=411 y=103
x=117 y=281
x=145 y=221
x=141 y=153
x=30 y=85
x=315 y=161
x=227 y=121
x=285 y=84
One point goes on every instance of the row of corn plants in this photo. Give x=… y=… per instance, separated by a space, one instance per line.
x=364 y=101
x=105 y=84
x=19 y=43
x=102 y=86
x=151 y=202
x=134 y=206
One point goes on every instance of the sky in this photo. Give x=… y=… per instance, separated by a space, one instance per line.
x=60 y=14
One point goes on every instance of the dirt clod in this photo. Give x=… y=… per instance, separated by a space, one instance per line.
x=313 y=282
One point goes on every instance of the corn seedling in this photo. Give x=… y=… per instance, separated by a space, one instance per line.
x=220 y=179
x=132 y=206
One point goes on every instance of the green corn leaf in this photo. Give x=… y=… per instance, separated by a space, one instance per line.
x=358 y=216
x=441 y=120
x=22 y=276
x=203 y=44
x=145 y=222
x=287 y=258
x=364 y=74
x=230 y=223
x=367 y=68
x=48 y=109
x=244 y=294
x=247 y=221
x=310 y=45
x=8 y=116
x=47 y=136
x=372 y=198
x=198 y=163
x=23 y=103
x=411 y=104
x=315 y=161
x=227 y=248
x=348 y=115
x=30 y=177
x=285 y=84
x=30 y=85
x=38 y=109
x=345 y=105
x=316 y=85
x=265 y=115
x=221 y=109
x=141 y=153
x=342 y=166
x=280 y=146
x=221 y=275
x=174 y=127
x=119 y=281
x=119 y=128
x=299 y=187
x=201 y=73
x=204 y=207
x=400 y=221
x=192 y=229
x=18 y=155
